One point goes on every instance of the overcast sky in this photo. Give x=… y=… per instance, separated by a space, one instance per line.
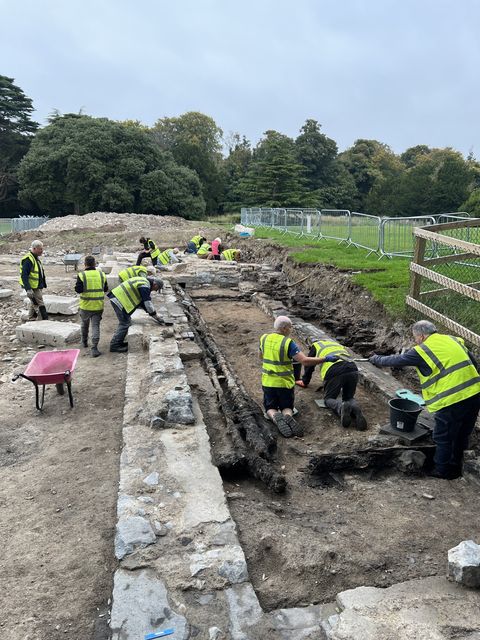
x=404 y=72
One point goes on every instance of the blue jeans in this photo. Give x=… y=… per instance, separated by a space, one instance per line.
x=453 y=426
x=191 y=248
x=124 y=321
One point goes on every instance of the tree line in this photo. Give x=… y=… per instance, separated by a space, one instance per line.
x=186 y=166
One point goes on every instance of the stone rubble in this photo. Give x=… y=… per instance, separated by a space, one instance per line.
x=464 y=564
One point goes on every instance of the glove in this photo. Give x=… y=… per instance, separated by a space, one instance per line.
x=374 y=359
x=153 y=314
x=30 y=295
x=331 y=358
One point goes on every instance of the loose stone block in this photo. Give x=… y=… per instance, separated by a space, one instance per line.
x=228 y=561
x=464 y=564
x=6 y=293
x=64 y=305
x=141 y=606
x=135 y=338
x=48 y=332
x=180 y=407
x=132 y=532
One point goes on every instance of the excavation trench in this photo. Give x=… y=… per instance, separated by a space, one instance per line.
x=309 y=535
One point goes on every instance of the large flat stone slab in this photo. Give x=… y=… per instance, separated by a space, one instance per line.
x=141 y=606
x=6 y=293
x=423 y=609
x=64 y=305
x=49 y=332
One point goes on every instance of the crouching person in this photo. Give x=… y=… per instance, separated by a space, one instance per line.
x=91 y=285
x=278 y=352
x=130 y=295
x=340 y=376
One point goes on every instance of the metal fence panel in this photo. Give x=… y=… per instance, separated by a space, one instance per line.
x=397 y=235
x=335 y=224
x=365 y=231
x=27 y=223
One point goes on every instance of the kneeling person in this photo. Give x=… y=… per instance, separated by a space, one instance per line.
x=91 y=284
x=230 y=255
x=125 y=299
x=133 y=272
x=278 y=352
x=340 y=375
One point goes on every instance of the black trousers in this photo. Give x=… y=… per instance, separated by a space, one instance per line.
x=453 y=426
x=143 y=255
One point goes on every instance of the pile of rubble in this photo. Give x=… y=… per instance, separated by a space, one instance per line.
x=130 y=221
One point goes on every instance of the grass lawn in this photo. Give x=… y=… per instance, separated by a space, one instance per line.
x=387 y=280
x=5 y=227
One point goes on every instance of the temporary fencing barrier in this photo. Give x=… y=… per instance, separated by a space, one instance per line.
x=385 y=236
x=26 y=223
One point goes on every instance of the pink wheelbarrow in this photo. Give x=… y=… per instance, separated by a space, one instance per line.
x=51 y=367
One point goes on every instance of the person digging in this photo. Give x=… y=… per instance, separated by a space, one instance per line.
x=278 y=352
x=340 y=376
x=125 y=299
x=91 y=284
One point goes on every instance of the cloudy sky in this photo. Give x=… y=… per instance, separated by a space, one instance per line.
x=404 y=72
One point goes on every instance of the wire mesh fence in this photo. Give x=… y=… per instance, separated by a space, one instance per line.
x=384 y=236
x=24 y=223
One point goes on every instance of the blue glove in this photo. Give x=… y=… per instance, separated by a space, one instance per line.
x=374 y=359
x=331 y=358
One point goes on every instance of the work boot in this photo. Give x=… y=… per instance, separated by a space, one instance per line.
x=282 y=425
x=358 y=417
x=296 y=428
x=84 y=342
x=301 y=384
x=43 y=312
x=95 y=352
x=118 y=349
x=346 y=414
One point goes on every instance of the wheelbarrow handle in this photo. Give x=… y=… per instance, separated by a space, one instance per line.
x=67 y=374
x=20 y=375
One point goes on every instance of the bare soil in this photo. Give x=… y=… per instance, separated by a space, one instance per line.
x=58 y=490
x=320 y=538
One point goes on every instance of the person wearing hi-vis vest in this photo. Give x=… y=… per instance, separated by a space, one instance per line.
x=278 y=352
x=150 y=250
x=133 y=272
x=340 y=376
x=128 y=296
x=194 y=244
x=231 y=255
x=205 y=251
x=91 y=285
x=450 y=386
x=168 y=257
x=32 y=279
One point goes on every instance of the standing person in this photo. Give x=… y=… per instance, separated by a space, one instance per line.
x=32 y=279
x=450 y=386
x=194 y=244
x=216 y=249
x=231 y=255
x=340 y=375
x=278 y=352
x=125 y=299
x=91 y=285
x=150 y=250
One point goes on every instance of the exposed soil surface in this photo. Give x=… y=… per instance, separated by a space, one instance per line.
x=356 y=529
x=58 y=490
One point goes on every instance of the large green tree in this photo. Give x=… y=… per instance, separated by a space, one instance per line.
x=274 y=177
x=195 y=141
x=79 y=163
x=234 y=169
x=16 y=131
x=316 y=153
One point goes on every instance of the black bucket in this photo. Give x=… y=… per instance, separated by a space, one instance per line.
x=403 y=414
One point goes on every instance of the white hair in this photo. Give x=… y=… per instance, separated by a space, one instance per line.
x=218 y=240
x=282 y=322
x=36 y=244
x=424 y=328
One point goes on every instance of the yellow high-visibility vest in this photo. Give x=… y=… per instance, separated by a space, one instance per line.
x=196 y=240
x=92 y=296
x=128 y=293
x=164 y=257
x=325 y=348
x=229 y=254
x=277 y=368
x=205 y=248
x=453 y=377
x=37 y=269
x=132 y=272
x=154 y=249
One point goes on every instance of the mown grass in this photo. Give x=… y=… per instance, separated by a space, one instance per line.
x=5 y=227
x=386 y=280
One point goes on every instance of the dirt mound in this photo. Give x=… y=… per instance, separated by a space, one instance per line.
x=106 y=221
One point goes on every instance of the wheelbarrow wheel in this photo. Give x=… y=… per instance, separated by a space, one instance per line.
x=60 y=389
